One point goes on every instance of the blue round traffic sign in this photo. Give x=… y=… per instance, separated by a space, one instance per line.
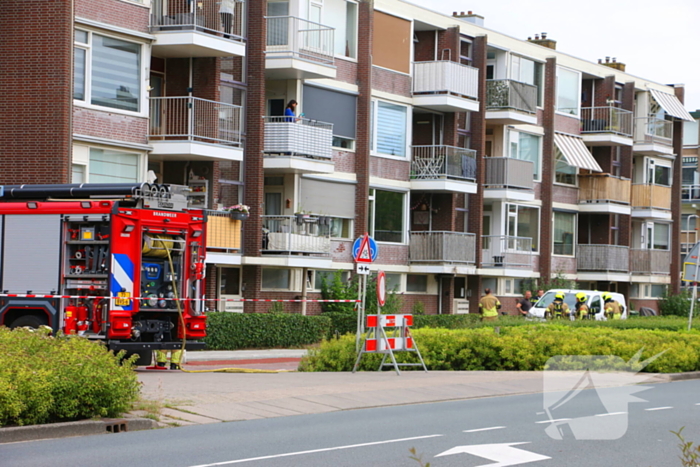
x=373 y=248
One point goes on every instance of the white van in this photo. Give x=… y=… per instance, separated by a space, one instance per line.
x=595 y=303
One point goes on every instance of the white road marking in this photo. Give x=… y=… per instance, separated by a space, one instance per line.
x=612 y=413
x=658 y=408
x=554 y=421
x=485 y=429
x=314 y=451
x=697 y=404
x=504 y=454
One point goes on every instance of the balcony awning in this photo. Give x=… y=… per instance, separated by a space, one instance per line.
x=671 y=105
x=575 y=152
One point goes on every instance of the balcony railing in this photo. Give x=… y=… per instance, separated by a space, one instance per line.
x=506 y=94
x=195 y=119
x=604 y=188
x=445 y=77
x=688 y=239
x=298 y=137
x=295 y=235
x=653 y=130
x=650 y=261
x=442 y=247
x=606 y=120
x=502 y=251
x=506 y=172
x=288 y=36
x=223 y=233
x=651 y=196
x=690 y=193
x=613 y=258
x=220 y=17
x=435 y=162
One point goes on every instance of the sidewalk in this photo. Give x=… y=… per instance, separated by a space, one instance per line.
x=196 y=398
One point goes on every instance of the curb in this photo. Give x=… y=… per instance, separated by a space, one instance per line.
x=16 y=434
x=683 y=376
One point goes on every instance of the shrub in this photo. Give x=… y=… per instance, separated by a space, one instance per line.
x=338 y=289
x=520 y=348
x=675 y=305
x=45 y=379
x=231 y=331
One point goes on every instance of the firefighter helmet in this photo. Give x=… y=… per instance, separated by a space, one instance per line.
x=606 y=296
x=581 y=297
x=559 y=296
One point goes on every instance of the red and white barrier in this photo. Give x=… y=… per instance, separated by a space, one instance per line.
x=99 y=297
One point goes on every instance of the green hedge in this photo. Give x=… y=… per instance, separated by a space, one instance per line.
x=45 y=379
x=231 y=331
x=520 y=348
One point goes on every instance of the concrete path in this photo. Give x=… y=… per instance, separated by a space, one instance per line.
x=214 y=397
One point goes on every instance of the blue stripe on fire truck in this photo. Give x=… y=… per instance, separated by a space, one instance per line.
x=122 y=281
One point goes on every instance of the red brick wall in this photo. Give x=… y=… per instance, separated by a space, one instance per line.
x=105 y=124
x=563 y=194
x=37 y=91
x=346 y=71
x=391 y=82
x=341 y=251
x=389 y=168
x=566 y=124
x=114 y=12
x=549 y=119
x=392 y=254
x=424 y=49
x=344 y=161
x=563 y=265
x=676 y=206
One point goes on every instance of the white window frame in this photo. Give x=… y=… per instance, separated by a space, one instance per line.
x=404 y=210
x=574 y=240
x=374 y=124
x=145 y=59
x=648 y=231
x=292 y=286
x=578 y=93
x=513 y=138
x=507 y=214
x=644 y=291
x=81 y=157
x=563 y=158
x=650 y=165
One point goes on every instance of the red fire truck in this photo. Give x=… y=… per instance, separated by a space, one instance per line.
x=120 y=263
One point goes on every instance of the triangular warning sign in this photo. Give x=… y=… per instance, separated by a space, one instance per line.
x=364 y=255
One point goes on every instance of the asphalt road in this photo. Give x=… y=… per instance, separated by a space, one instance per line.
x=463 y=432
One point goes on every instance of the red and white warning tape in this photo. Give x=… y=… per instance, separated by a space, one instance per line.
x=93 y=297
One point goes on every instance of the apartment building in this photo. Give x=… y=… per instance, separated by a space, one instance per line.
x=473 y=158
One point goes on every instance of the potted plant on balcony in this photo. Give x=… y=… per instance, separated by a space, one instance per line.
x=238 y=212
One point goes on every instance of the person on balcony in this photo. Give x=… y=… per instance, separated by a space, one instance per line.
x=290 y=115
x=226 y=8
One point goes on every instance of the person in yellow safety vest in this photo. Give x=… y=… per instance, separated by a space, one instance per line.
x=175 y=358
x=612 y=308
x=581 y=307
x=489 y=306
x=557 y=309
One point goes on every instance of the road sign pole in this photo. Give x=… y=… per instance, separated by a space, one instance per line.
x=695 y=293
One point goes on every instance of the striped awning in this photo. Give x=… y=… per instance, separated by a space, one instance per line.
x=575 y=152
x=671 y=105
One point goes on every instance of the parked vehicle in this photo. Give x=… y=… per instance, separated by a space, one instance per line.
x=595 y=303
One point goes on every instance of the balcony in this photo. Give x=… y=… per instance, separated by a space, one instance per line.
x=223 y=238
x=299 y=49
x=443 y=169
x=437 y=247
x=297 y=146
x=445 y=86
x=296 y=240
x=647 y=262
x=606 y=126
x=510 y=102
x=604 y=193
x=603 y=258
x=688 y=240
x=690 y=193
x=653 y=137
x=189 y=128
x=651 y=201
x=508 y=178
x=502 y=251
x=197 y=29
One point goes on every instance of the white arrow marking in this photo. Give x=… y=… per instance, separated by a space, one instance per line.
x=504 y=454
x=485 y=429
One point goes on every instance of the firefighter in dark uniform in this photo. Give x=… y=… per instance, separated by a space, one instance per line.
x=581 y=311
x=557 y=309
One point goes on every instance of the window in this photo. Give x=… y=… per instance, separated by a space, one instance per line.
x=527 y=71
x=416 y=283
x=526 y=147
x=328 y=276
x=564 y=231
x=387 y=215
x=338 y=108
x=568 y=91
x=658 y=236
x=276 y=279
x=230 y=281
x=688 y=222
x=77 y=173
x=489 y=283
x=563 y=172
x=393 y=282
x=107 y=71
x=108 y=166
x=647 y=290
x=341 y=228
x=523 y=222
x=389 y=129
x=662 y=175
x=342 y=16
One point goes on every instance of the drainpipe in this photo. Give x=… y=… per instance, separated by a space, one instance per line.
x=305 y=278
